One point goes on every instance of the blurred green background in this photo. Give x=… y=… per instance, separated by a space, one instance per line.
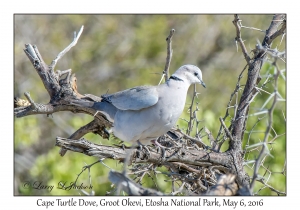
x=116 y=52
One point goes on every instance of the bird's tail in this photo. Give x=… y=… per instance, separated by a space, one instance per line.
x=104 y=107
x=82 y=103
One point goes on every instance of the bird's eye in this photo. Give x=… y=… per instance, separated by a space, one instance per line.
x=196 y=74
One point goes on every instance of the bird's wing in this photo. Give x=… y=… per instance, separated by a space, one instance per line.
x=133 y=99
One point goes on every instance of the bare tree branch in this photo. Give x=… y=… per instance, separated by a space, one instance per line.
x=187 y=156
x=92 y=127
x=272 y=32
x=238 y=124
x=46 y=74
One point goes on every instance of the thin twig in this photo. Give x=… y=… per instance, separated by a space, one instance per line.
x=190 y=123
x=251 y=131
x=238 y=38
x=271 y=188
x=169 y=54
x=226 y=130
x=73 y=184
x=62 y=53
x=252 y=28
x=27 y=95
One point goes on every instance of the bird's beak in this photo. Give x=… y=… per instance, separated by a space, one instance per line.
x=202 y=83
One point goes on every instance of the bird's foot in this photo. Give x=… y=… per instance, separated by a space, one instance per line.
x=161 y=149
x=158 y=144
x=163 y=153
x=141 y=147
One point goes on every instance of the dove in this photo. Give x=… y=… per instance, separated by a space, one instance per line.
x=142 y=114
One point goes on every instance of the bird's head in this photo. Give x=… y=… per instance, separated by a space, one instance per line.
x=190 y=74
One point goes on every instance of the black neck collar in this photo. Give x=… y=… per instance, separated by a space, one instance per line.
x=175 y=78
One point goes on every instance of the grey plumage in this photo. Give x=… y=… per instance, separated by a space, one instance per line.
x=133 y=99
x=146 y=112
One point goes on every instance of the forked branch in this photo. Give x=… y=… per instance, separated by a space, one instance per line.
x=61 y=92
